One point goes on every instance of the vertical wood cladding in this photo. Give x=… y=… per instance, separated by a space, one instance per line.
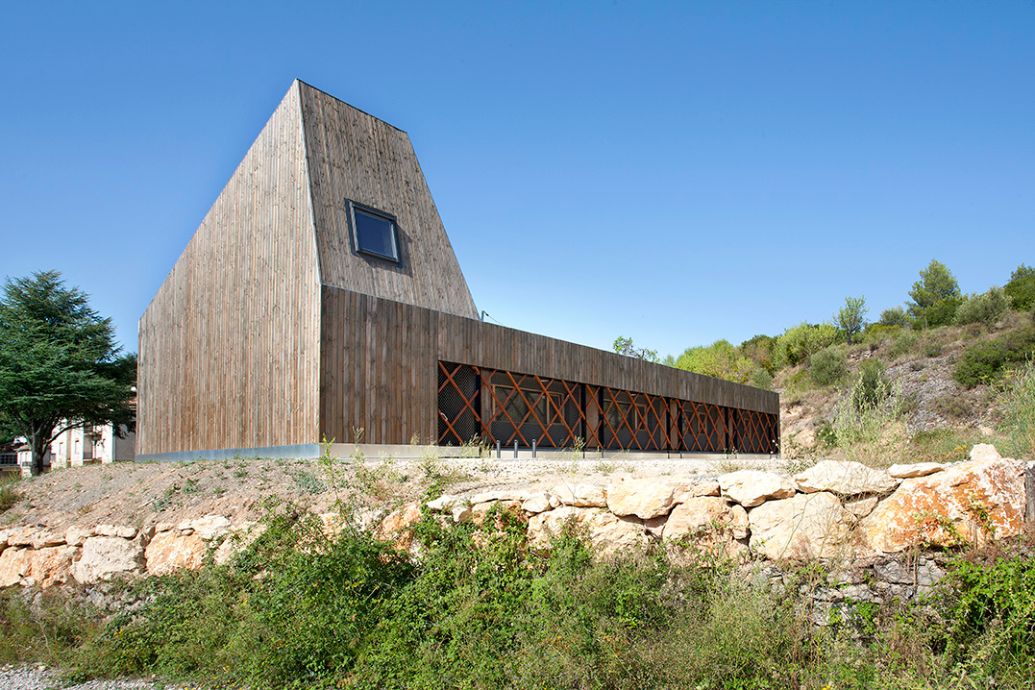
x=229 y=344
x=380 y=368
x=353 y=155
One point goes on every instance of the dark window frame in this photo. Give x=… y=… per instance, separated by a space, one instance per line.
x=354 y=206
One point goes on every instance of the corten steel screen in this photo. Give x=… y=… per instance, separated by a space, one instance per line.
x=488 y=405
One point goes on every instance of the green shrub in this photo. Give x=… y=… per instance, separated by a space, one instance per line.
x=760 y=378
x=903 y=343
x=1021 y=288
x=8 y=495
x=829 y=365
x=759 y=350
x=1017 y=401
x=896 y=316
x=985 y=362
x=720 y=359
x=986 y=308
x=799 y=343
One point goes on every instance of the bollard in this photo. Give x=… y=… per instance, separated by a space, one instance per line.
x=533 y=447
x=515 y=449
x=497 y=449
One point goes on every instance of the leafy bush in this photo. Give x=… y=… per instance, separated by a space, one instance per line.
x=8 y=495
x=759 y=350
x=896 y=316
x=829 y=365
x=903 y=343
x=799 y=343
x=935 y=297
x=1017 y=401
x=720 y=359
x=986 y=308
x=760 y=378
x=1021 y=288
x=851 y=318
x=985 y=362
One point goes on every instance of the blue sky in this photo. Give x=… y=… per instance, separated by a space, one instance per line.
x=677 y=173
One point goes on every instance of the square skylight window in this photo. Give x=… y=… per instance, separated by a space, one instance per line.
x=374 y=232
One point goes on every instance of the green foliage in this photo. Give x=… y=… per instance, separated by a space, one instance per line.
x=935 y=297
x=986 y=361
x=895 y=316
x=8 y=495
x=759 y=350
x=903 y=343
x=986 y=308
x=626 y=346
x=1021 y=288
x=761 y=378
x=872 y=388
x=991 y=615
x=58 y=362
x=720 y=359
x=1017 y=400
x=800 y=342
x=851 y=318
x=482 y=609
x=829 y=365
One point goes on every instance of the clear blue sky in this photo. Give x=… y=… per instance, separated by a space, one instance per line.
x=677 y=173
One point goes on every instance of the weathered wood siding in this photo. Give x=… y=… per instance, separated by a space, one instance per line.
x=379 y=367
x=229 y=347
x=353 y=155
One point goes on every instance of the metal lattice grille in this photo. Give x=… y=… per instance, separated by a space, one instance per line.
x=496 y=405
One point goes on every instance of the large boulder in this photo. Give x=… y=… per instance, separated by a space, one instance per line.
x=51 y=566
x=103 y=558
x=707 y=524
x=15 y=563
x=844 y=479
x=984 y=451
x=970 y=502
x=644 y=498
x=804 y=527
x=753 y=487
x=581 y=495
x=240 y=538
x=171 y=551
x=208 y=526
x=606 y=533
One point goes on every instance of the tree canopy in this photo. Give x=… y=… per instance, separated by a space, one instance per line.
x=59 y=364
x=935 y=297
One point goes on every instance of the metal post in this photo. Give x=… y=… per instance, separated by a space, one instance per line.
x=533 y=447
x=497 y=449
x=515 y=449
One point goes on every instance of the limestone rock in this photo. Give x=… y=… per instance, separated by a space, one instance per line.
x=397 y=526
x=580 y=495
x=606 y=533
x=916 y=469
x=537 y=503
x=708 y=488
x=106 y=557
x=481 y=510
x=45 y=538
x=240 y=538
x=750 y=488
x=74 y=536
x=844 y=479
x=443 y=504
x=708 y=524
x=984 y=451
x=861 y=507
x=14 y=565
x=123 y=531
x=461 y=512
x=803 y=527
x=51 y=566
x=332 y=523
x=207 y=527
x=644 y=498
x=969 y=502
x=171 y=551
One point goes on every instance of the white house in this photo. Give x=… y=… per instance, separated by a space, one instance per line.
x=83 y=445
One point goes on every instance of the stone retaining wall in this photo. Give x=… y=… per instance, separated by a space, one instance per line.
x=838 y=512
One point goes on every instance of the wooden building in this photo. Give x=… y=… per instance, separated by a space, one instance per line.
x=321 y=296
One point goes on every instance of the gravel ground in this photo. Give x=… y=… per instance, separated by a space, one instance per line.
x=42 y=678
